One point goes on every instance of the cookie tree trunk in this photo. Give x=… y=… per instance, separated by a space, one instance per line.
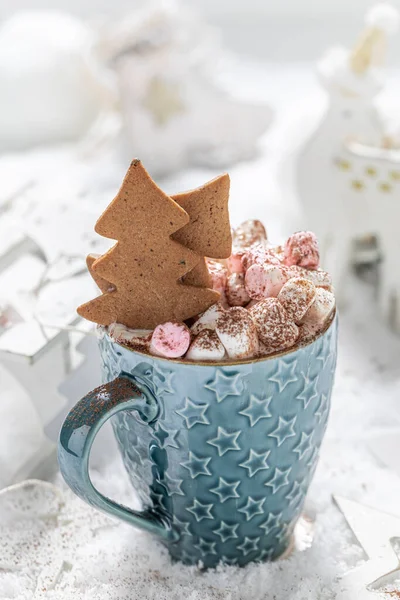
x=145 y=265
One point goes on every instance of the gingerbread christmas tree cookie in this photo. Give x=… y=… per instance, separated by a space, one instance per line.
x=102 y=284
x=208 y=233
x=147 y=266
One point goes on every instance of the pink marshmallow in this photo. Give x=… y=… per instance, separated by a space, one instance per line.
x=274 y=326
x=235 y=291
x=263 y=281
x=249 y=233
x=170 y=340
x=234 y=262
x=301 y=249
x=260 y=254
x=296 y=297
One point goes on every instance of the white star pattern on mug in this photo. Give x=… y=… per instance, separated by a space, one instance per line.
x=249 y=545
x=226 y=532
x=205 y=547
x=225 y=441
x=282 y=534
x=229 y=560
x=193 y=413
x=200 y=511
x=284 y=430
x=163 y=381
x=320 y=408
x=158 y=500
x=226 y=490
x=197 y=465
x=325 y=412
x=225 y=385
x=256 y=462
x=182 y=525
x=166 y=438
x=324 y=354
x=273 y=521
x=267 y=554
x=279 y=480
x=305 y=444
x=252 y=508
x=313 y=458
x=284 y=374
x=257 y=409
x=173 y=485
x=309 y=391
x=294 y=493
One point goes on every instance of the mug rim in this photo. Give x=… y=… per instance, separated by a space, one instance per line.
x=230 y=363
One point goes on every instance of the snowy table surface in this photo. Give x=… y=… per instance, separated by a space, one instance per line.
x=65 y=550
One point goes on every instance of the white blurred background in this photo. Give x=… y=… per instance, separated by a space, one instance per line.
x=285 y=30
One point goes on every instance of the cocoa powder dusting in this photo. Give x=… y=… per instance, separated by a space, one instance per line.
x=231 y=322
x=274 y=326
x=296 y=297
x=207 y=339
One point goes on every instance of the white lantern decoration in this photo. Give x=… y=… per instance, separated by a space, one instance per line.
x=348 y=176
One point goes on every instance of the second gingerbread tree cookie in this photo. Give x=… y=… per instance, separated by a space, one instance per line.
x=208 y=232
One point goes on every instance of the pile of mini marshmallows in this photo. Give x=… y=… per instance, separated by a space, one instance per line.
x=272 y=297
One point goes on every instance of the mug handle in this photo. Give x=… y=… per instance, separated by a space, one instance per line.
x=77 y=436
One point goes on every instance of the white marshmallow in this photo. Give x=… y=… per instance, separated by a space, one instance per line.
x=317 y=276
x=238 y=333
x=321 y=309
x=308 y=332
x=296 y=297
x=137 y=338
x=274 y=326
x=206 y=347
x=208 y=319
x=235 y=291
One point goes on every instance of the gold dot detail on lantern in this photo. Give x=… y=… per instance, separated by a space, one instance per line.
x=395 y=175
x=343 y=165
x=371 y=171
x=357 y=185
x=384 y=186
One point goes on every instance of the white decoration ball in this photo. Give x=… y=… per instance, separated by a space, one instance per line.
x=52 y=89
x=383 y=16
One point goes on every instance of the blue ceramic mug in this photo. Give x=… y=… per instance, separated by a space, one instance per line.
x=221 y=455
